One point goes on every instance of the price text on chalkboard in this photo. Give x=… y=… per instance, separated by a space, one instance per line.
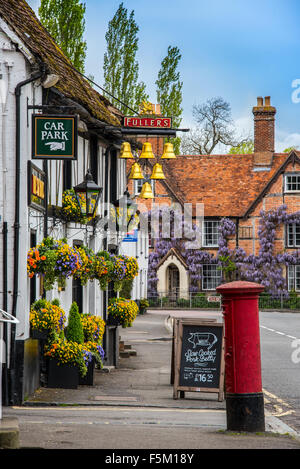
x=199 y=363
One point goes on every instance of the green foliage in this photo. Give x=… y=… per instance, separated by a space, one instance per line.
x=244 y=148
x=55 y=302
x=289 y=149
x=144 y=303
x=126 y=289
x=74 y=331
x=228 y=267
x=64 y=19
x=169 y=90
x=120 y=66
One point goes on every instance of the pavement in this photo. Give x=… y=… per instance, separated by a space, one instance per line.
x=142 y=383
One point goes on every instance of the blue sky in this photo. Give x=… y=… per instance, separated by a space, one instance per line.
x=231 y=48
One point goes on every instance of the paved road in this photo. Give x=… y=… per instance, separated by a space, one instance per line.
x=135 y=428
x=154 y=422
x=281 y=364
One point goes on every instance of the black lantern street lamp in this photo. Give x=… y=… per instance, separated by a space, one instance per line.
x=125 y=211
x=88 y=195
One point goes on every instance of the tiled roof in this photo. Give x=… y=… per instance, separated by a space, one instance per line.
x=23 y=21
x=226 y=184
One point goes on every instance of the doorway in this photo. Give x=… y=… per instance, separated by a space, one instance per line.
x=32 y=282
x=77 y=289
x=173 y=281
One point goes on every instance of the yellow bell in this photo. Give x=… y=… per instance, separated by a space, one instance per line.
x=136 y=172
x=157 y=172
x=146 y=192
x=168 y=153
x=126 y=151
x=147 y=151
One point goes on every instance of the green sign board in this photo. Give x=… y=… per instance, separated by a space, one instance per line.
x=54 y=137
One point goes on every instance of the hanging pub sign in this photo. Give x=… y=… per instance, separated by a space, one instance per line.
x=54 y=137
x=148 y=122
x=36 y=188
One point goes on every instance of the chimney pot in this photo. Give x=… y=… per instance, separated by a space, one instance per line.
x=264 y=125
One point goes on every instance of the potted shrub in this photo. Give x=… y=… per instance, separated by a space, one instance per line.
x=123 y=311
x=46 y=317
x=65 y=363
x=74 y=330
x=144 y=304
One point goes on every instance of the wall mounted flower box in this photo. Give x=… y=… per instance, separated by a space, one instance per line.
x=62 y=376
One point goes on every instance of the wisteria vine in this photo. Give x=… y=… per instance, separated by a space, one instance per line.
x=265 y=268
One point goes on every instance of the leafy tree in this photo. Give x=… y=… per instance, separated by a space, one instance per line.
x=120 y=66
x=244 y=148
x=169 y=90
x=214 y=127
x=74 y=331
x=289 y=149
x=64 y=19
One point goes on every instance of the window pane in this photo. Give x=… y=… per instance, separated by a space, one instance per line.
x=291 y=280
x=211 y=233
x=290 y=235
x=211 y=277
x=292 y=182
x=297 y=236
x=297 y=277
x=293 y=235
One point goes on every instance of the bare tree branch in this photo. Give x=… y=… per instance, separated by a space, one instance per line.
x=214 y=126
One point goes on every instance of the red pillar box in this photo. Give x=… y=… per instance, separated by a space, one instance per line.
x=243 y=385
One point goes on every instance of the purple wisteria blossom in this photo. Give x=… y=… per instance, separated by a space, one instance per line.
x=265 y=268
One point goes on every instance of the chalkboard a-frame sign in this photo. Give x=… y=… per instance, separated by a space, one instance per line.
x=198 y=357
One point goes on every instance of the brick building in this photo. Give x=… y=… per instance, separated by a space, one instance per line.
x=236 y=187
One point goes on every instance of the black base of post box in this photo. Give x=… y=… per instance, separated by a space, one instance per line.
x=245 y=412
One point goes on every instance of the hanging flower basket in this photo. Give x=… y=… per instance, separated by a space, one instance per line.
x=53 y=259
x=68 y=261
x=70 y=211
x=103 y=268
x=119 y=272
x=132 y=267
x=41 y=260
x=85 y=272
x=123 y=310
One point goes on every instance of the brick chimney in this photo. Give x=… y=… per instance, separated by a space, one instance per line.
x=264 y=130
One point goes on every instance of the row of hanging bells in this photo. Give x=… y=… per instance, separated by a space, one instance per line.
x=147 y=153
x=136 y=172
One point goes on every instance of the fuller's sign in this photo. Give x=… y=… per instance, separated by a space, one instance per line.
x=148 y=122
x=54 y=137
x=36 y=187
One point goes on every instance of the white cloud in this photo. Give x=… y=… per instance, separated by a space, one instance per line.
x=285 y=140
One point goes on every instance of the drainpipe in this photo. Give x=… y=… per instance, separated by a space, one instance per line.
x=18 y=89
x=237 y=240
